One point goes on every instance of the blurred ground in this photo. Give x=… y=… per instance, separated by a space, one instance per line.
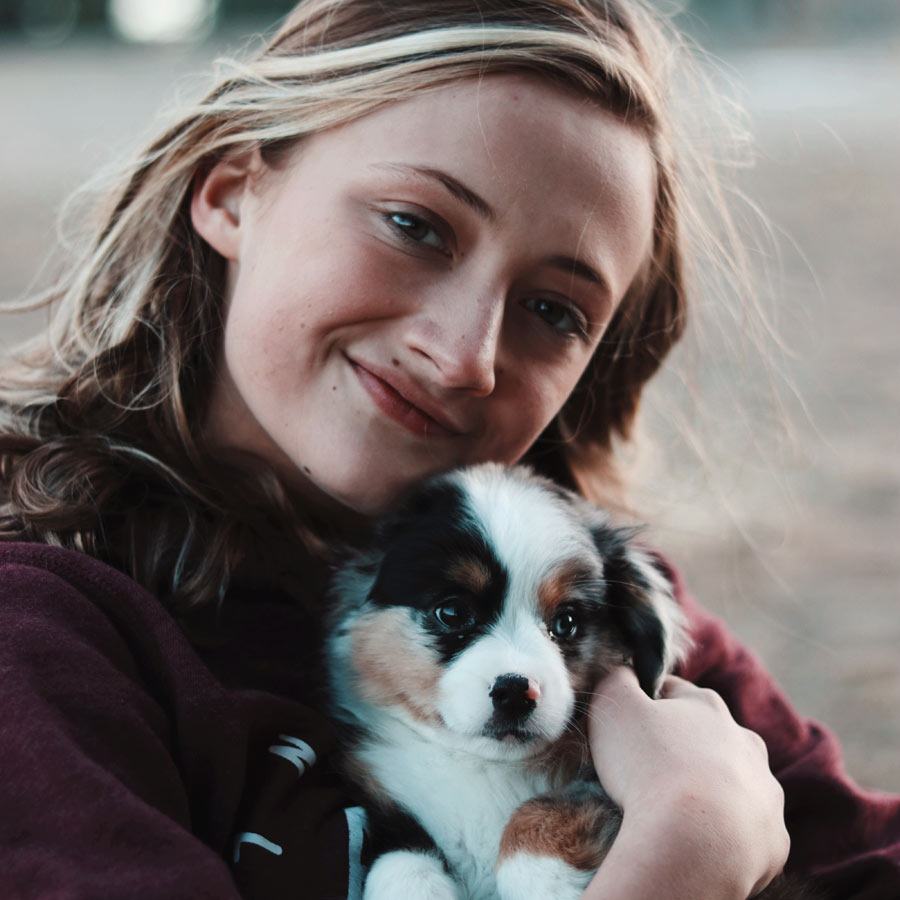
x=794 y=543
x=795 y=540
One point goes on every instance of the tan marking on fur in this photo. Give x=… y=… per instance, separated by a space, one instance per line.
x=553 y=826
x=470 y=573
x=557 y=587
x=393 y=666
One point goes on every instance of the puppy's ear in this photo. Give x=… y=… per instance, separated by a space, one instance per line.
x=642 y=608
x=436 y=499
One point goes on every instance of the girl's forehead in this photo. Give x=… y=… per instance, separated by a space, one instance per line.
x=514 y=148
x=496 y=109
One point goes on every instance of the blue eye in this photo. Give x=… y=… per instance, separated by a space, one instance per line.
x=415 y=229
x=558 y=315
x=564 y=625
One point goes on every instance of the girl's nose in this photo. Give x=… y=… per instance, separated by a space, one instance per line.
x=460 y=339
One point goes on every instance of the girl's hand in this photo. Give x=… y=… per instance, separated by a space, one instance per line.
x=703 y=814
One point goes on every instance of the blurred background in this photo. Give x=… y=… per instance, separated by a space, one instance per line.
x=776 y=475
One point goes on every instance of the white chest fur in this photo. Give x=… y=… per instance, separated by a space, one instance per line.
x=464 y=802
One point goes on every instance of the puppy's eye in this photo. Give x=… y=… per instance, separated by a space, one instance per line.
x=455 y=614
x=564 y=625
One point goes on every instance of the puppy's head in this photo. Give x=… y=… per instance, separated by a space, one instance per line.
x=489 y=605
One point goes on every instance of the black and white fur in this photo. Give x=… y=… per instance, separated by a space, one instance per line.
x=464 y=644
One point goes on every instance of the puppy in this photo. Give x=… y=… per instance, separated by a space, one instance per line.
x=463 y=648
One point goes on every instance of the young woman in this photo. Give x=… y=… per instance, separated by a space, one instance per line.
x=403 y=238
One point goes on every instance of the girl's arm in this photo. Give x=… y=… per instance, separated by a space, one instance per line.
x=129 y=771
x=845 y=840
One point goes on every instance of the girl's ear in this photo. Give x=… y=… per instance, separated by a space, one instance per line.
x=218 y=199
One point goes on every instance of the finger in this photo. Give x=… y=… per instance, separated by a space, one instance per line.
x=617 y=701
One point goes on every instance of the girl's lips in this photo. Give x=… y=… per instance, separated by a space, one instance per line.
x=395 y=406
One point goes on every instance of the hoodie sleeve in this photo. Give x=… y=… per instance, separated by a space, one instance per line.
x=130 y=771
x=845 y=839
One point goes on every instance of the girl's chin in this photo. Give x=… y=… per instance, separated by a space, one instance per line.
x=352 y=504
x=375 y=500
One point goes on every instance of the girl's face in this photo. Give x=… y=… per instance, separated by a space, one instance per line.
x=422 y=288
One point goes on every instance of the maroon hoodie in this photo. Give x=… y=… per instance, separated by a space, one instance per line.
x=136 y=765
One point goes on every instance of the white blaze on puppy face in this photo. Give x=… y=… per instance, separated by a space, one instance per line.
x=530 y=529
x=518 y=644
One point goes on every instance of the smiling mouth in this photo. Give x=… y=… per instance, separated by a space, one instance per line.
x=398 y=408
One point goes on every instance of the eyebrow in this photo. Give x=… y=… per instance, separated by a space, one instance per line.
x=579 y=268
x=452 y=185
x=568 y=264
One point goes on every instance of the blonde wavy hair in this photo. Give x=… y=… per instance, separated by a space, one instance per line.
x=101 y=438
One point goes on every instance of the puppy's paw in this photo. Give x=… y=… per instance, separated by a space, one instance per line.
x=526 y=877
x=406 y=873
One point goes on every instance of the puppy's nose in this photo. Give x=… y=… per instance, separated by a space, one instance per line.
x=514 y=696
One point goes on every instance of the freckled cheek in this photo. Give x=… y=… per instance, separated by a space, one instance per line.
x=262 y=350
x=309 y=284
x=276 y=328
x=383 y=282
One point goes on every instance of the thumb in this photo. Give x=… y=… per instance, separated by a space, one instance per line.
x=616 y=696
x=616 y=713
